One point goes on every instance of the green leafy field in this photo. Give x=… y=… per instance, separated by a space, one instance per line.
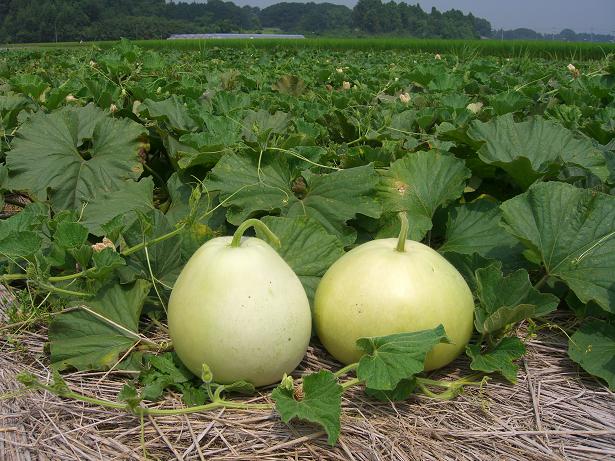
x=577 y=51
x=505 y=48
x=129 y=159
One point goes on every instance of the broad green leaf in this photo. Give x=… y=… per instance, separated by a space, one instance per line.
x=583 y=311
x=172 y=110
x=218 y=132
x=31 y=85
x=66 y=158
x=301 y=158
x=189 y=201
x=572 y=230
x=20 y=244
x=245 y=190
x=331 y=199
x=403 y=125
x=474 y=228
x=390 y=359
x=82 y=255
x=88 y=117
x=468 y=264
x=226 y=102
x=196 y=208
x=306 y=246
x=164 y=258
x=178 y=152
x=99 y=330
x=259 y=124
x=70 y=235
x=419 y=183
x=10 y=107
x=513 y=101
x=335 y=198
x=217 y=139
x=499 y=359
x=593 y=347
x=534 y=148
x=507 y=300
x=321 y=402
x=31 y=218
x=105 y=262
x=130 y=197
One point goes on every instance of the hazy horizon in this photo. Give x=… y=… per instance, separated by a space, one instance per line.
x=545 y=16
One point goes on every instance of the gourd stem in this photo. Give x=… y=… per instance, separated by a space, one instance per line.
x=403 y=233
x=347 y=369
x=259 y=225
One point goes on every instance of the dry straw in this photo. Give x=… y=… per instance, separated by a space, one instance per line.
x=554 y=412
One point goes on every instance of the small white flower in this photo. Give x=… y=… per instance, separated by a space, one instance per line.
x=475 y=107
x=100 y=246
x=135 y=107
x=113 y=108
x=339 y=70
x=70 y=98
x=346 y=85
x=159 y=90
x=438 y=57
x=405 y=98
x=397 y=79
x=576 y=73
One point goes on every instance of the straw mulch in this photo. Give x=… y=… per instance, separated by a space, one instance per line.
x=554 y=412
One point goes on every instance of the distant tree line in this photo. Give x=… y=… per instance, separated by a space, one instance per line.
x=566 y=35
x=74 y=20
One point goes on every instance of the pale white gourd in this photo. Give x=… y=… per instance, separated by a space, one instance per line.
x=241 y=310
x=376 y=289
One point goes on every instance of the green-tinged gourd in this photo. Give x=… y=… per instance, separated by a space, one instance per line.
x=238 y=307
x=389 y=286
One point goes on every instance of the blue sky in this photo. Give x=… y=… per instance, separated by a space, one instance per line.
x=542 y=15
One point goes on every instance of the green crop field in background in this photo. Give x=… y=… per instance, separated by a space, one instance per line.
x=506 y=48
x=554 y=50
